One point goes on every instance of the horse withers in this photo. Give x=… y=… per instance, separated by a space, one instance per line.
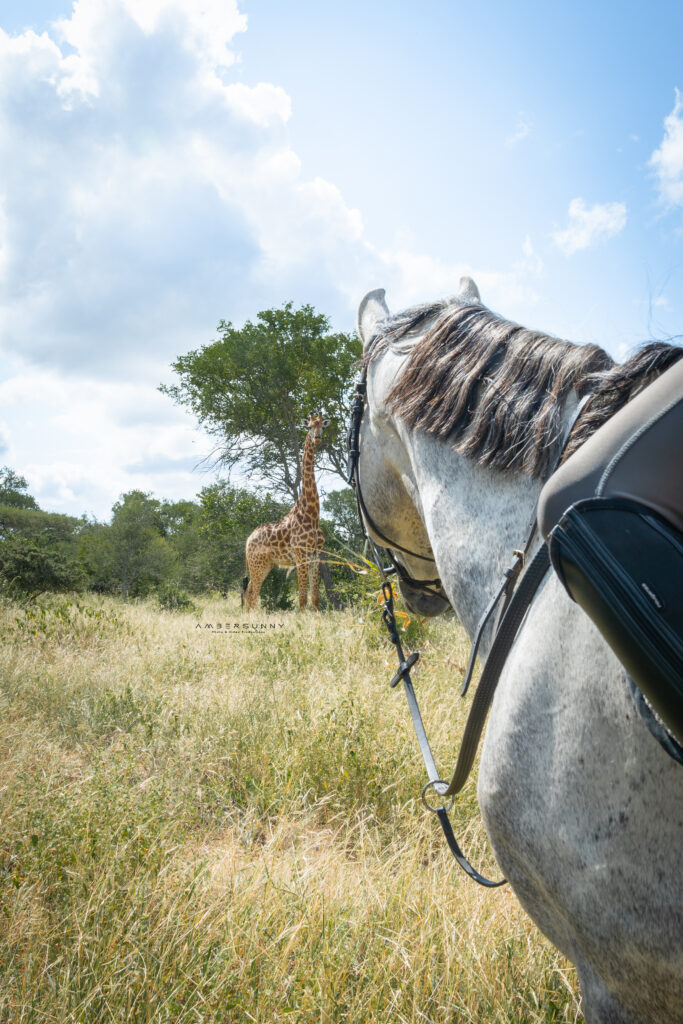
x=466 y=415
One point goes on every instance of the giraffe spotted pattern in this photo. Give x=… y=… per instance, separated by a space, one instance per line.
x=294 y=540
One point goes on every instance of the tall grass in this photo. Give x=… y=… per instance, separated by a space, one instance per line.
x=205 y=826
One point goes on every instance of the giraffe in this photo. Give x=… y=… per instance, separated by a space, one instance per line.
x=294 y=540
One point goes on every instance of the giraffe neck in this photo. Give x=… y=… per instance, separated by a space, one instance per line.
x=309 y=492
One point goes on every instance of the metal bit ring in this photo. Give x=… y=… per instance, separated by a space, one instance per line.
x=442 y=807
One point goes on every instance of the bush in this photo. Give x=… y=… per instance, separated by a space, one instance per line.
x=173 y=599
x=32 y=566
x=276 y=591
x=357 y=580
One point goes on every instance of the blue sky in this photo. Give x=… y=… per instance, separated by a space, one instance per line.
x=165 y=164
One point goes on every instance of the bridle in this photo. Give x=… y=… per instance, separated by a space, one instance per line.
x=432 y=587
x=521 y=580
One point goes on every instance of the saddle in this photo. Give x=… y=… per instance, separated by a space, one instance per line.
x=612 y=516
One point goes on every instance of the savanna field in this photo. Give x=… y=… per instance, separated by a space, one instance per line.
x=214 y=827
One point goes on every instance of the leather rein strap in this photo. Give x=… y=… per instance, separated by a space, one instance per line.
x=503 y=641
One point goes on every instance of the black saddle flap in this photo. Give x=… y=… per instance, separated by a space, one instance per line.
x=623 y=564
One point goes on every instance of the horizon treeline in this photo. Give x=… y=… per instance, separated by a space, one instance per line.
x=152 y=545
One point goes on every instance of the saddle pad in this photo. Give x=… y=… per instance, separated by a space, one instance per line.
x=623 y=564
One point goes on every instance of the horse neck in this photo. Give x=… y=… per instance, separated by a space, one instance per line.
x=475 y=517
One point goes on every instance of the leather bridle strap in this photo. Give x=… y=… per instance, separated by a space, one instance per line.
x=506 y=589
x=515 y=607
x=405 y=664
x=504 y=639
x=353 y=477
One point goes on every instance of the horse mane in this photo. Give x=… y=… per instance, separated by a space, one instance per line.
x=497 y=391
x=611 y=390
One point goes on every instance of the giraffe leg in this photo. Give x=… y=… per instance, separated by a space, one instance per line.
x=257 y=574
x=315 y=590
x=302 y=580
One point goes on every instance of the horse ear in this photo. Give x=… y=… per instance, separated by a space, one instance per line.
x=468 y=293
x=372 y=310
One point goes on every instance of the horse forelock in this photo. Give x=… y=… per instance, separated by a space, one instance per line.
x=402 y=327
x=497 y=391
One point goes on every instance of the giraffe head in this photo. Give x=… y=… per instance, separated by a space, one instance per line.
x=314 y=425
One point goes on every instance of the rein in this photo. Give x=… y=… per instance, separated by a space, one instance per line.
x=517 y=595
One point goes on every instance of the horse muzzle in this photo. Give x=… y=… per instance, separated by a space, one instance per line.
x=424 y=602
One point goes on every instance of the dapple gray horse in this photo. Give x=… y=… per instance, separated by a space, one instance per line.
x=465 y=415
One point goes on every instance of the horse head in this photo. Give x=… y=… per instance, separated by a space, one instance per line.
x=388 y=488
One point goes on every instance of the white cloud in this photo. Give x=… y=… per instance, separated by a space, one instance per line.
x=522 y=130
x=263 y=104
x=667 y=159
x=204 y=31
x=146 y=192
x=83 y=442
x=589 y=225
x=412 y=277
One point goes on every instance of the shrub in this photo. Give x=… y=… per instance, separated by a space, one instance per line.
x=276 y=591
x=173 y=599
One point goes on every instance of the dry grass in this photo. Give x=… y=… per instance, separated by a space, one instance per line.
x=204 y=827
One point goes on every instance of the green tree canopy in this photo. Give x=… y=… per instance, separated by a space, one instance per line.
x=228 y=516
x=132 y=555
x=38 y=550
x=340 y=509
x=14 y=490
x=33 y=566
x=253 y=387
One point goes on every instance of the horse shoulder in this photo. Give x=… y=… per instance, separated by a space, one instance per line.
x=580 y=801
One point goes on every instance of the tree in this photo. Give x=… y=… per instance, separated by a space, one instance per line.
x=228 y=516
x=252 y=388
x=13 y=490
x=38 y=550
x=97 y=557
x=182 y=522
x=340 y=509
x=132 y=555
x=32 y=566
